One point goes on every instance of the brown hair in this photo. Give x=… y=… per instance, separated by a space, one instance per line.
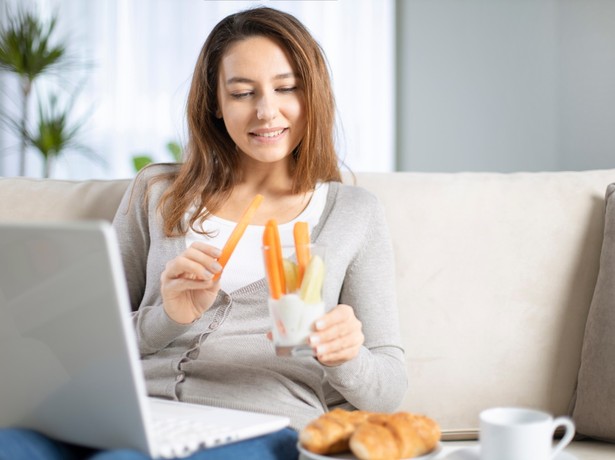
x=211 y=163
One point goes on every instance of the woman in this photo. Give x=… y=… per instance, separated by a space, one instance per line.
x=260 y=119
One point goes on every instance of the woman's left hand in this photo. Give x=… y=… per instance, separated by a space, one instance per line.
x=337 y=336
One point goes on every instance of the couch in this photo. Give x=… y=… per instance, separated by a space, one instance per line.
x=496 y=274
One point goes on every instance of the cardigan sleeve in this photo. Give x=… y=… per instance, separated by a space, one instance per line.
x=131 y=226
x=132 y=222
x=376 y=379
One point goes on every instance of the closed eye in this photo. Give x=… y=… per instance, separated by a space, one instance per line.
x=288 y=89
x=242 y=95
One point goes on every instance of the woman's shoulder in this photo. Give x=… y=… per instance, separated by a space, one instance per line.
x=155 y=173
x=353 y=193
x=352 y=203
x=155 y=170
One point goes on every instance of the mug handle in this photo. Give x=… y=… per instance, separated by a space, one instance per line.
x=569 y=425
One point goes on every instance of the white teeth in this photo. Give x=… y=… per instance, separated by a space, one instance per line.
x=272 y=134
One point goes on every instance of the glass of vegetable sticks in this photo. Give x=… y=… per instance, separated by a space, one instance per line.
x=295 y=277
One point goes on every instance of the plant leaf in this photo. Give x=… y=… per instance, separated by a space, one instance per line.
x=175 y=150
x=141 y=161
x=25 y=47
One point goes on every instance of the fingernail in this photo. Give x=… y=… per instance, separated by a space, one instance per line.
x=216 y=252
x=314 y=340
x=320 y=325
x=216 y=267
x=321 y=350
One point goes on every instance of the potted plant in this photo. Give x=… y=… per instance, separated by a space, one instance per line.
x=55 y=133
x=26 y=50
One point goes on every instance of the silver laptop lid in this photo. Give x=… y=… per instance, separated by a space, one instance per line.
x=68 y=358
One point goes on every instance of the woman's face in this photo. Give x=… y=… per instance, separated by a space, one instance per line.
x=260 y=99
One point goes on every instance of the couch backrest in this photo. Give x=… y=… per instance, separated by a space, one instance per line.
x=495 y=274
x=24 y=198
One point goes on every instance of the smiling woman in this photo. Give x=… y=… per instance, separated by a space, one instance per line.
x=142 y=54
x=261 y=101
x=260 y=120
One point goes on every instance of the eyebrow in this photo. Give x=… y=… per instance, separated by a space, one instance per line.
x=281 y=76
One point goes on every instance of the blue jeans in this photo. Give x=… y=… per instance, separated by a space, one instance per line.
x=20 y=444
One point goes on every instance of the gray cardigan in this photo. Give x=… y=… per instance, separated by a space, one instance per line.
x=224 y=359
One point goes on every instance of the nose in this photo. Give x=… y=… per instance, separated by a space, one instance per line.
x=266 y=108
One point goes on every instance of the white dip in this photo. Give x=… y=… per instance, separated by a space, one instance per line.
x=293 y=319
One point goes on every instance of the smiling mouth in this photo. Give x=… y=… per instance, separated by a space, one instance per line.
x=269 y=134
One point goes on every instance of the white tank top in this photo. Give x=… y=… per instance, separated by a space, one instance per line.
x=246 y=263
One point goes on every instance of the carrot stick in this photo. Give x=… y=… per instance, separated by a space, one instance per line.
x=271 y=260
x=238 y=232
x=279 y=256
x=301 y=234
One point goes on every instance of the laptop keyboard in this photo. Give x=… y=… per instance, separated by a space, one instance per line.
x=182 y=437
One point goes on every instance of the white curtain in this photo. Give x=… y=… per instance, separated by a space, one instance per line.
x=142 y=54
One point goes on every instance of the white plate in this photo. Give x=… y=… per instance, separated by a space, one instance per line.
x=473 y=453
x=348 y=456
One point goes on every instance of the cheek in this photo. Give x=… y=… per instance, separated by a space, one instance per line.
x=296 y=113
x=235 y=120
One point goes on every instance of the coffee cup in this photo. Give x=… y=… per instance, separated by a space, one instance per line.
x=513 y=433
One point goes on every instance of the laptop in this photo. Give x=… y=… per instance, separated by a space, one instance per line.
x=69 y=363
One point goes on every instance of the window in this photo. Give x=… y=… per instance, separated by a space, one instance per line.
x=142 y=53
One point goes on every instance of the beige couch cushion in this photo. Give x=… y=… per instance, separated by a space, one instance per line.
x=594 y=411
x=39 y=199
x=495 y=277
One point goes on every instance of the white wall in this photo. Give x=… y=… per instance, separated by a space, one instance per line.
x=506 y=85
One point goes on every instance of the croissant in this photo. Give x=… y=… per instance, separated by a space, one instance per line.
x=395 y=436
x=371 y=436
x=330 y=433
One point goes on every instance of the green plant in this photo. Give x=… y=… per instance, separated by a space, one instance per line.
x=54 y=134
x=26 y=51
x=142 y=160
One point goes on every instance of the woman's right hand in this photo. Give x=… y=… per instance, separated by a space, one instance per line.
x=187 y=285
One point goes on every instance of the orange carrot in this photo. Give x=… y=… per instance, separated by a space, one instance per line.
x=271 y=260
x=238 y=232
x=279 y=256
x=301 y=234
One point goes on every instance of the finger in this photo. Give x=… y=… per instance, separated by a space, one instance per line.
x=176 y=289
x=184 y=284
x=330 y=332
x=183 y=267
x=208 y=249
x=338 y=314
x=338 y=345
x=339 y=357
x=207 y=260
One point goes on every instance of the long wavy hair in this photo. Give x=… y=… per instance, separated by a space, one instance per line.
x=211 y=164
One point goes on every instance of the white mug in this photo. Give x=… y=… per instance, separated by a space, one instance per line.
x=512 y=433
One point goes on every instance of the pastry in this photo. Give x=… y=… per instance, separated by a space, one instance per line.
x=371 y=436
x=394 y=436
x=329 y=433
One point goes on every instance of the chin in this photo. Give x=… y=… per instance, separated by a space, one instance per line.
x=270 y=157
